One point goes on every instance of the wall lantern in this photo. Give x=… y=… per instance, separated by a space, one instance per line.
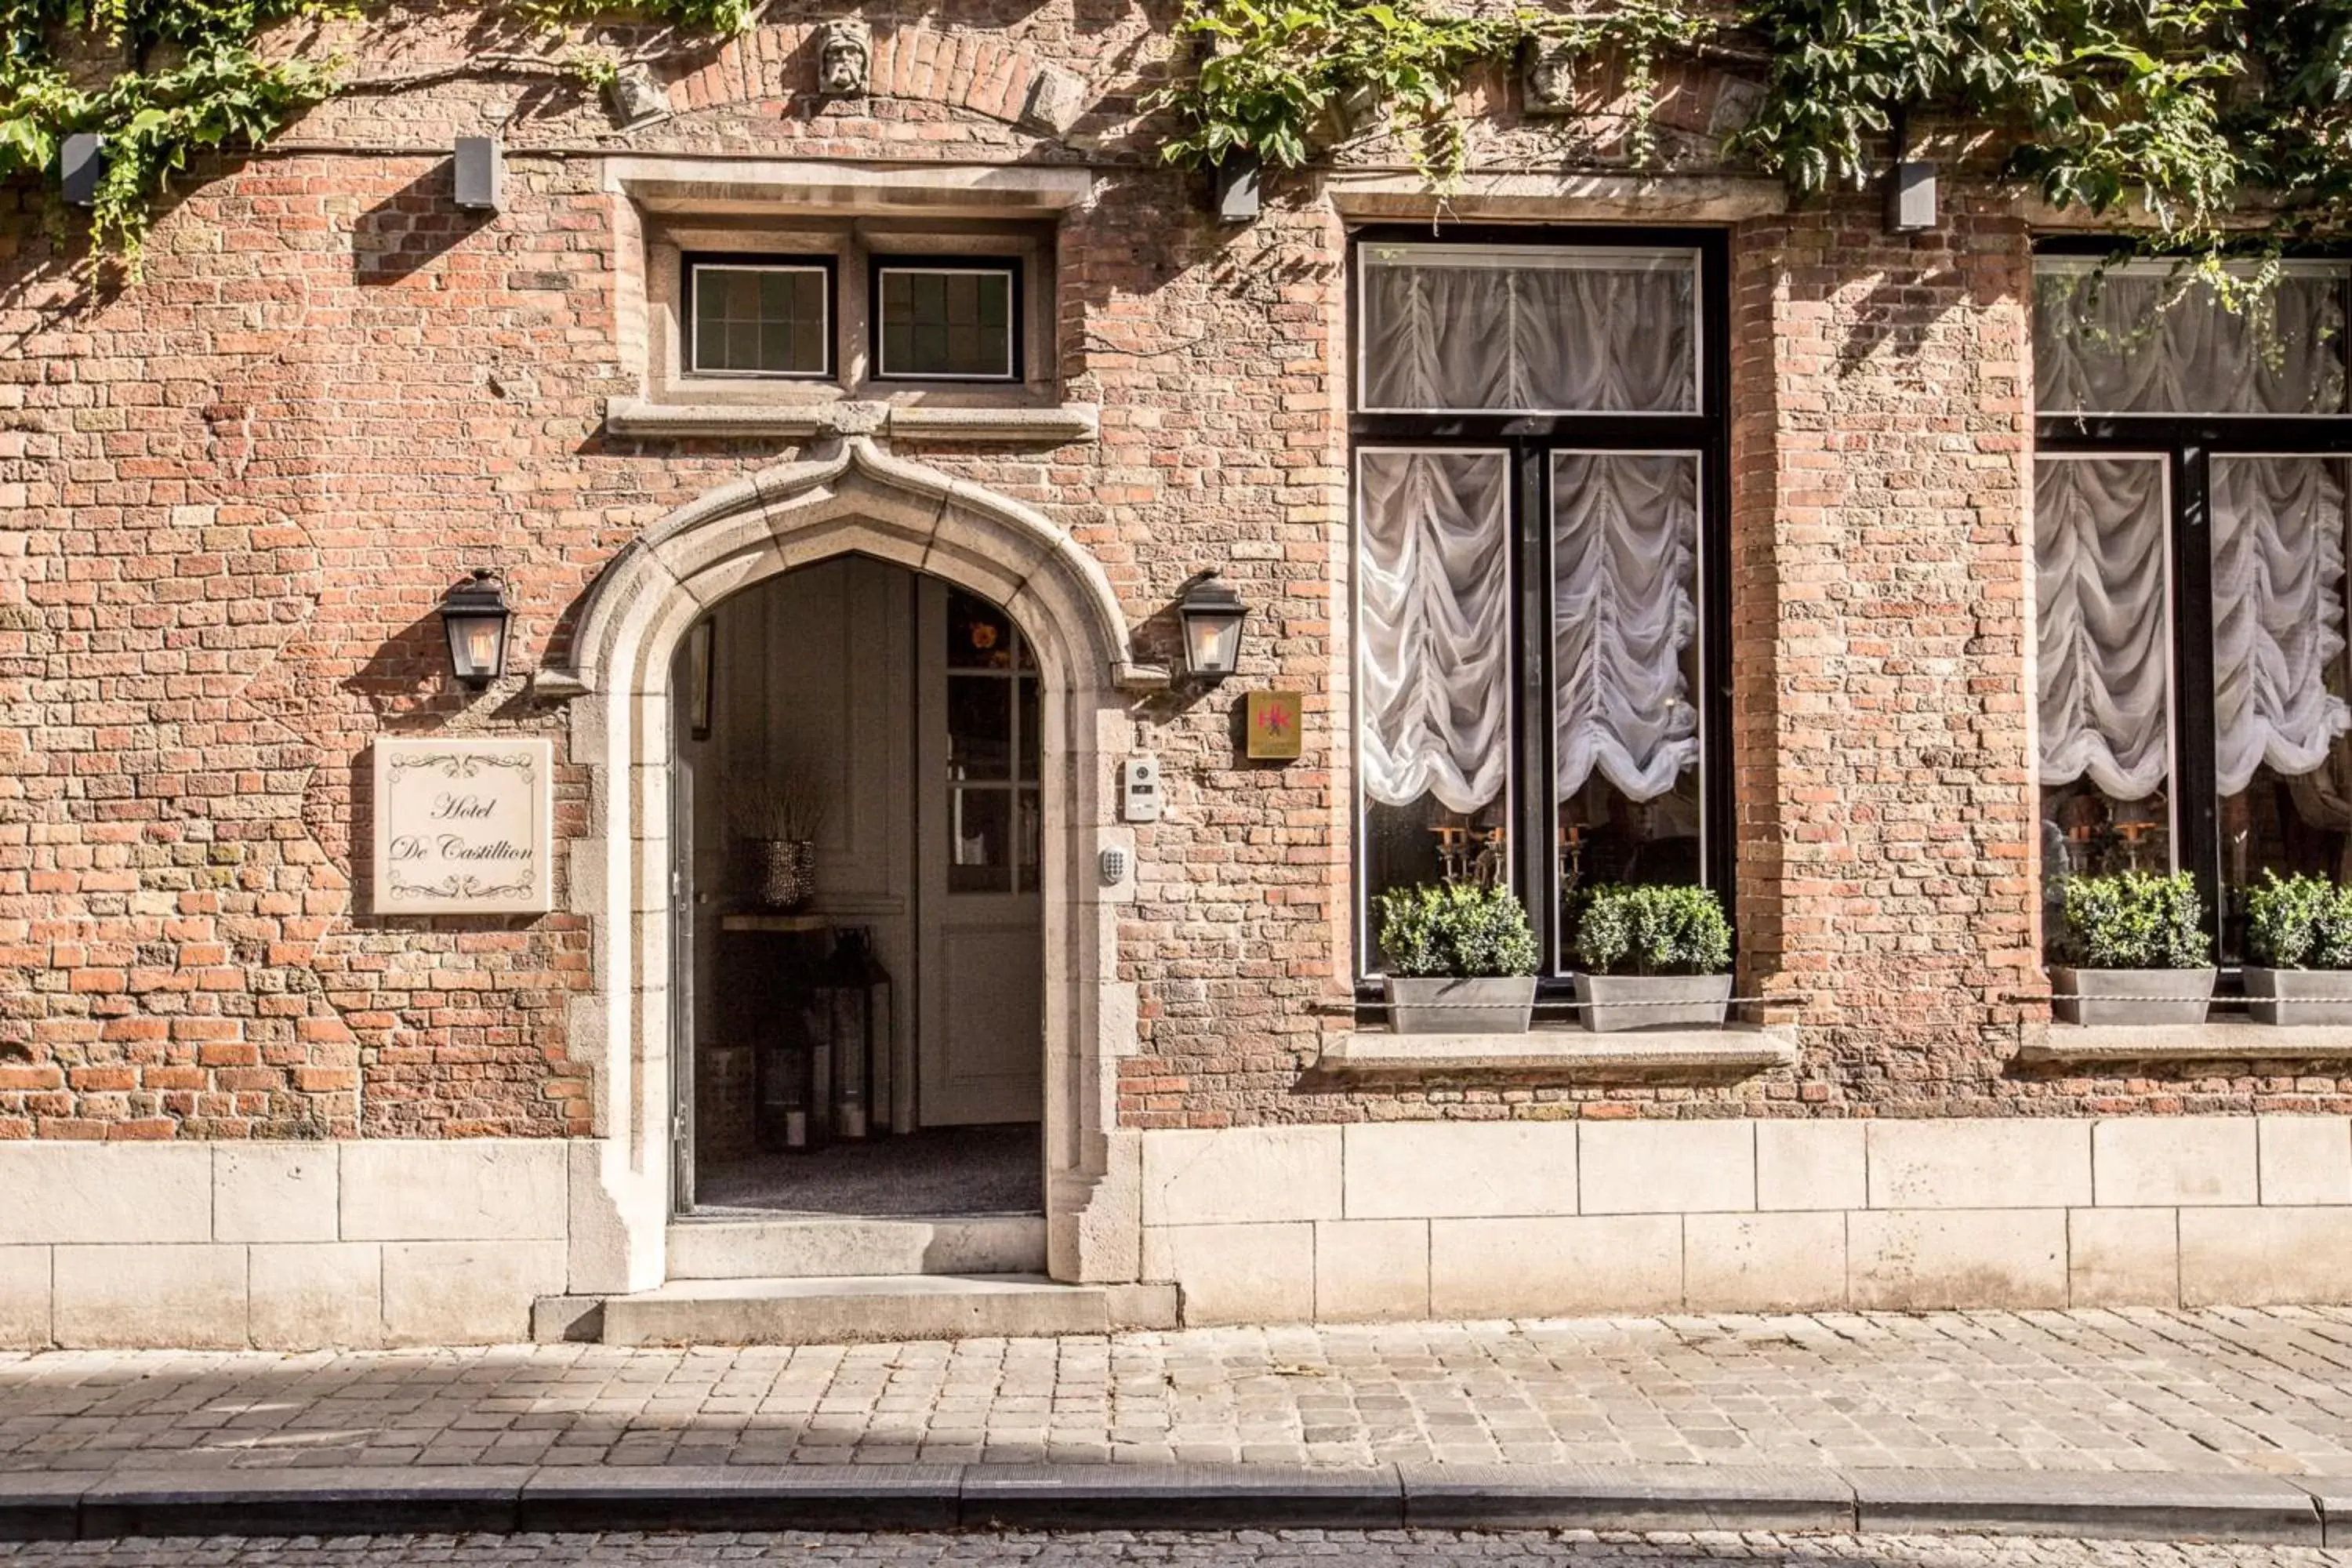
x=474 y=613
x=1213 y=616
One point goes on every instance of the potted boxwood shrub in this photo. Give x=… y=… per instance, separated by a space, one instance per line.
x=2133 y=935
x=1653 y=957
x=1460 y=960
x=2299 y=932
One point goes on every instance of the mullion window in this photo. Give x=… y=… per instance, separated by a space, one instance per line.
x=1533 y=445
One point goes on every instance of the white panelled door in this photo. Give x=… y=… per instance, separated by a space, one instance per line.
x=981 y=951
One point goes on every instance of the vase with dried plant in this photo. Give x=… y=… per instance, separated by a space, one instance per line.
x=777 y=820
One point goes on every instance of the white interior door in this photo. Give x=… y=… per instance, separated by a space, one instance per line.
x=982 y=954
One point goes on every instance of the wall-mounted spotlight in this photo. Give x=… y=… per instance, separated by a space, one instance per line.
x=481 y=173
x=1237 y=200
x=82 y=163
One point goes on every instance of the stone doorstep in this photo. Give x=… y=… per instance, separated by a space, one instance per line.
x=558 y=1498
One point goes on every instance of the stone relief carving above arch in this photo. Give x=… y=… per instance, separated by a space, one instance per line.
x=961 y=70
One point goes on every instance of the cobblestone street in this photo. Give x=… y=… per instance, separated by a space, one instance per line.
x=2156 y=1391
x=1287 y=1550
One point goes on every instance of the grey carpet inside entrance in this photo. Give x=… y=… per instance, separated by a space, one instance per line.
x=940 y=1170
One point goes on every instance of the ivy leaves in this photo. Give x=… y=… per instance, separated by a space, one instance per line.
x=196 y=78
x=2176 y=110
x=1274 y=75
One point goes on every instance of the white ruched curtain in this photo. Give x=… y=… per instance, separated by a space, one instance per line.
x=2145 y=340
x=1433 y=614
x=1433 y=619
x=2278 y=615
x=1624 y=615
x=2104 y=650
x=1528 y=329
x=2105 y=654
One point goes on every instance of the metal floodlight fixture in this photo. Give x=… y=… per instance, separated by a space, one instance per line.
x=1213 y=615
x=475 y=614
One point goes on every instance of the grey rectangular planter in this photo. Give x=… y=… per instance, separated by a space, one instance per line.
x=2313 y=995
x=1653 y=1001
x=1501 y=1005
x=2098 y=995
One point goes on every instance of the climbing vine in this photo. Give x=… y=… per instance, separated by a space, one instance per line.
x=2197 y=112
x=2214 y=118
x=188 y=76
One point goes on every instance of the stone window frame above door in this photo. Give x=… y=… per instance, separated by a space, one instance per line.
x=851 y=248
x=1531 y=440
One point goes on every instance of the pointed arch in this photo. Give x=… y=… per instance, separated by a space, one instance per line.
x=854 y=499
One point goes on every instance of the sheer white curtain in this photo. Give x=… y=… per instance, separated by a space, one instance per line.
x=1433 y=620
x=2105 y=653
x=2106 y=343
x=2278 y=615
x=1523 y=328
x=1625 y=611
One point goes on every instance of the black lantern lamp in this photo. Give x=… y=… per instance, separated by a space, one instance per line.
x=851 y=1006
x=474 y=613
x=1213 y=616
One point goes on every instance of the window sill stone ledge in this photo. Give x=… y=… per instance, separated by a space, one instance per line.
x=2216 y=1039
x=1573 y=1055
x=1059 y=425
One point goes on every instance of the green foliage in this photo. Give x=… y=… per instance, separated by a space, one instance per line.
x=2183 y=107
x=1675 y=930
x=1457 y=930
x=2301 y=922
x=2134 y=920
x=195 y=78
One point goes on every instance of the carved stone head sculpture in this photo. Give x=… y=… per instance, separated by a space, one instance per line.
x=844 y=50
x=1547 y=77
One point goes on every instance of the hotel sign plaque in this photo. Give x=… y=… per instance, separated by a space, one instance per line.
x=463 y=827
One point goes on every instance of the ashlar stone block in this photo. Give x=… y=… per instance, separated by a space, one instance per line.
x=1370 y=1269
x=316 y=1296
x=1923 y=1259
x=129 y=1298
x=1460 y=1169
x=1980 y=1163
x=2156 y=1161
x=1236 y=1273
x=1666 y=1167
x=2123 y=1257
x=275 y=1191
x=2265 y=1257
x=1764 y=1262
x=1812 y=1165
x=1555 y=1268
x=2305 y=1159
x=1240 y=1175
x=460 y=1190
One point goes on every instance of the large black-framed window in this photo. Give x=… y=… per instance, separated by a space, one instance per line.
x=1540 y=564
x=2193 y=499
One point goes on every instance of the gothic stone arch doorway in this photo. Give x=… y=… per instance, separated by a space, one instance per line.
x=855 y=499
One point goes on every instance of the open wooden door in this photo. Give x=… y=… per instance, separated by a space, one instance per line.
x=982 y=988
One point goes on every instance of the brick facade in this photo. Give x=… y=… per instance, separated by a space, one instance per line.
x=233 y=490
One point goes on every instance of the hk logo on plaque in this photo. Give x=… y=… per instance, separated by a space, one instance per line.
x=462 y=827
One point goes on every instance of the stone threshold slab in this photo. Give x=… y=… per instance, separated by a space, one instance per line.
x=384 y=1500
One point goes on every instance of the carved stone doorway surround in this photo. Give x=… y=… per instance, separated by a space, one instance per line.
x=853 y=497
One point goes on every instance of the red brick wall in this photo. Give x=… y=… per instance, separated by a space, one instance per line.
x=232 y=493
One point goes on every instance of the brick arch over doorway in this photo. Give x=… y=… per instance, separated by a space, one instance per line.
x=854 y=499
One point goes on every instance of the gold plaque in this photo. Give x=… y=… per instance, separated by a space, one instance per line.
x=1274 y=718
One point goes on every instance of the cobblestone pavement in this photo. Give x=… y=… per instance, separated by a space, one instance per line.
x=1302 y=1548
x=2216 y=1390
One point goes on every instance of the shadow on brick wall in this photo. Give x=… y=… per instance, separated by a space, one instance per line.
x=417 y=224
